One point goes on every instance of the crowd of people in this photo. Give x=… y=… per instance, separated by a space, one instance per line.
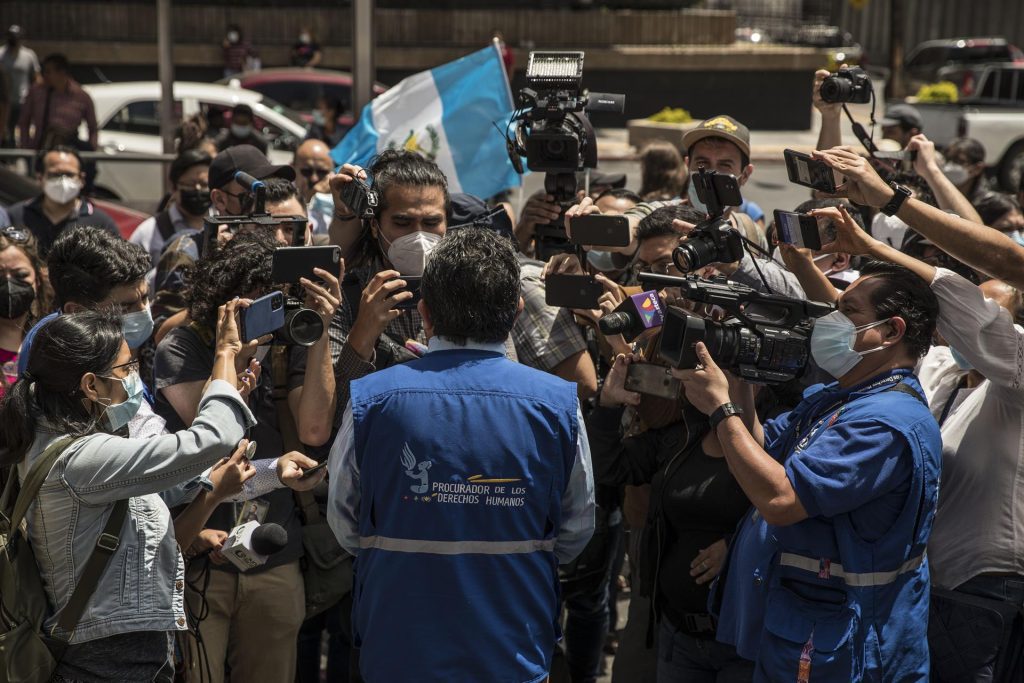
x=487 y=464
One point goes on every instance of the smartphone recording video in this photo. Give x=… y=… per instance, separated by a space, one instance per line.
x=798 y=229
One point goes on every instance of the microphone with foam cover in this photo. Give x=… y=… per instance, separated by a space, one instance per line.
x=249 y=544
x=633 y=316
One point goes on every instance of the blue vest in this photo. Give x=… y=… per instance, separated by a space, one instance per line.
x=463 y=457
x=852 y=610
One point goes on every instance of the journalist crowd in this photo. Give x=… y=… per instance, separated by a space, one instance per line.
x=331 y=421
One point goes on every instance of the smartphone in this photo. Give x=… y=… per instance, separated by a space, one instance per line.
x=263 y=316
x=306 y=474
x=572 y=291
x=292 y=263
x=798 y=229
x=724 y=186
x=812 y=173
x=412 y=284
x=601 y=231
x=653 y=380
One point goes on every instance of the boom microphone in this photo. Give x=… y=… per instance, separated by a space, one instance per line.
x=633 y=316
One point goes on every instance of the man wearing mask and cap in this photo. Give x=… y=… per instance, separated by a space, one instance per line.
x=242 y=131
x=189 y=203
x=59 y=206
x=21 y=67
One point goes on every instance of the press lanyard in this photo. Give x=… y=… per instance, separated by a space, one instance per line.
x=840 y=405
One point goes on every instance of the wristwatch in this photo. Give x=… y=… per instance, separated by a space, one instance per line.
x=901 y=195
x=723 y=411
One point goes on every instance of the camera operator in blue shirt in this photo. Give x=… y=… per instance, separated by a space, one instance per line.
x=826 y=577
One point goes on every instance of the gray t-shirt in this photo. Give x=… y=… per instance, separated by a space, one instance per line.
x=21 y=66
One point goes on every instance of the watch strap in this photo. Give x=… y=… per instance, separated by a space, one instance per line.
x=901 y=195
x=723 y=411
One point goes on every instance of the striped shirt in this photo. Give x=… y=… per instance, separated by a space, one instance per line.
x=67 y=110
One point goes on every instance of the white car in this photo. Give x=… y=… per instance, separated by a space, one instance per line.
x=129 y=121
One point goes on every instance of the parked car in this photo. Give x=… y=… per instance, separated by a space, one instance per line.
x=15 y=188
x=958 y=60
x=994 y=115
x=299 y=89
x=129 y=120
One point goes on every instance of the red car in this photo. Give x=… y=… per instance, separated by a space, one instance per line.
x=299 y=89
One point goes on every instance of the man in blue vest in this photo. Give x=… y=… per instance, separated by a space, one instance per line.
x=826 y=578
x=460 y=481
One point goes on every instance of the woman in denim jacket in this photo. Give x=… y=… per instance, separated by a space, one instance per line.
x=82 y=382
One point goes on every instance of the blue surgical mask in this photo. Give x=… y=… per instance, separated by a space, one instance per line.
x=322 y=203
x=832 y=343
x=118 y=415
x=960 y=361
x=602 y=260
x=318 y=117
x=695 y=201
x=136 y=327
x=1016 y=236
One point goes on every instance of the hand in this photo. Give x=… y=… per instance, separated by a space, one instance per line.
x=926 y=164
x=562 y=264
x=584 y=208
x=706 y=386
x=325 y=300
x=850 y=238
x=230 y=473
x=211 y=540
x=863 y=184
x=249 y=379
x=614 y=393
x=612 y=297
x=228 y=338
x=793 y=256
x=339 y=180
x=826 y=108
x=290 y=467
x=376 y=311
x=540 y=209
x=708 y=562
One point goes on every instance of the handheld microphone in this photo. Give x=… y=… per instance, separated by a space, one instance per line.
x=249 y=544
x=633 y=316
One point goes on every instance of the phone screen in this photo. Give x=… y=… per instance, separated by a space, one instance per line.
x=797 y=229
x=813 y=173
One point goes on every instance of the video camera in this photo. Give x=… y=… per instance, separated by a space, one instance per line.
x=715 y=240
x=554 y=134
x=767 y=341
x=258 y=216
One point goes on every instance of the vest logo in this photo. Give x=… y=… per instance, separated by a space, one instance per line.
x=416 y=470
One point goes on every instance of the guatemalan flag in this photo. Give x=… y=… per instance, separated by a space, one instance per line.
x=453 y=115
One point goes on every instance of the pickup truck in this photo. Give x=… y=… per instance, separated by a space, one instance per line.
x=994 y=116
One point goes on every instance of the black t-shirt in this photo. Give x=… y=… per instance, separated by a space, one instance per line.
x=302 y=53
x=701 y=503
x=183 y=357
x=29 y=215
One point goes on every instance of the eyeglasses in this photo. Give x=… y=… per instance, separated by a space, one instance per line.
x=309 y=172
x=15 y=234
x=132 y=366
x=53 y=176
x=662 y=268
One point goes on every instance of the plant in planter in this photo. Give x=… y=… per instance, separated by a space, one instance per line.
x=670 y=124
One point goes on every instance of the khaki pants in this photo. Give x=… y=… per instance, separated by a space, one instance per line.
x=253 y=624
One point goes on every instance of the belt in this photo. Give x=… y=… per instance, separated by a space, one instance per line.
x=825 y=569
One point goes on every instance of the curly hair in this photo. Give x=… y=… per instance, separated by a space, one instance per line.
x=241 y=268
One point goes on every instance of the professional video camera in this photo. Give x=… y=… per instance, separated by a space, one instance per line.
x=766 y=341
x=554 y=134
x=715 y=240
x=847 y=85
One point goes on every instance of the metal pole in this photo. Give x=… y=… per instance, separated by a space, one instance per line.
x=363 y=68
x=896 y=30
x=165 y=61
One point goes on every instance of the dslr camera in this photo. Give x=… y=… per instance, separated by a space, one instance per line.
x=847 y=85
x=714 y=240
x=766 y=339
x=554 y=134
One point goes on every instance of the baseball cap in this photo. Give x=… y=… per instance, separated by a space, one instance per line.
x=248 y=159
x=719 y=127
x=613 y=180
x=902 y=115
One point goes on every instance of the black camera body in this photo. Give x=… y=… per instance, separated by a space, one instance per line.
x=850 y=85
x=767 y=340
x=302 y=326
x=359 y=197
x=714 y=240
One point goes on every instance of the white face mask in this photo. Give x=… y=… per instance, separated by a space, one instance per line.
x=955 y=173
x=233 y=36
x=305 y=38
x=832 y=343
x=409 y=253
x=63 y=189
x=240 y=131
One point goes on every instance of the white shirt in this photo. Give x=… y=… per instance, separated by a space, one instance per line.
x=344 y=494
x=979 y=524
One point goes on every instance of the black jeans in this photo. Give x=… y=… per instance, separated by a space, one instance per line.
x=685 y=659
x=337 y=621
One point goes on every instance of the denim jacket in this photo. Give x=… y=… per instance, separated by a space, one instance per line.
x=142 y=588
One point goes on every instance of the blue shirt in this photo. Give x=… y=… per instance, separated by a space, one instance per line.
x=751 y=208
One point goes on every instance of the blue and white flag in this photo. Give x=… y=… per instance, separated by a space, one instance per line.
x=447 y=114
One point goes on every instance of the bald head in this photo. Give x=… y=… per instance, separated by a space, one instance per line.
x=1004 y=295
x=312 y=164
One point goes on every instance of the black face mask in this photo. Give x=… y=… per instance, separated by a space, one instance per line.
x=195 y=202
x=16 y=298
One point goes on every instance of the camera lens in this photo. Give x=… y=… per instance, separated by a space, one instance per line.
x=836 y=90
x=302 y=327
x=554 y=149
x=696 y=253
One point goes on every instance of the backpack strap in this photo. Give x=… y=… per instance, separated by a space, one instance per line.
x=904 y=389
x=164 y=225
x=105 y=547
x=34 y=480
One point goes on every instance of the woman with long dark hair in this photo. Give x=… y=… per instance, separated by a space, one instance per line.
x=82 y=383
x=22 y=297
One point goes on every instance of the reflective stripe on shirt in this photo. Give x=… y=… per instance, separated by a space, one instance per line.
x=859 y=580
x=408 y=545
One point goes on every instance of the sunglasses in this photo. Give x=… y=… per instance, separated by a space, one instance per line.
x=15 y=234
x=310 y=172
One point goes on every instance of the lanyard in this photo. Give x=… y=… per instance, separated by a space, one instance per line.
x=840 y=405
